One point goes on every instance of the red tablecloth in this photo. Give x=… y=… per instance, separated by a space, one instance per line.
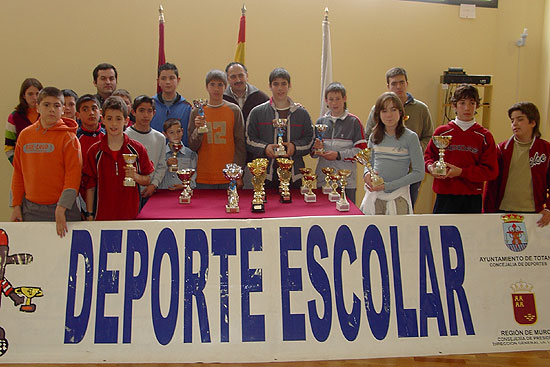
x=210 y=204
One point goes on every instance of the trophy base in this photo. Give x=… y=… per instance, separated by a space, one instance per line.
x=258 y=208
x=173 y=169
x=185 y=200
x=129 y=183
x=304 y=190
x=202 y=130
x=317 y=152
x=310 y=198
x=342 y=206
x=279 y=152
x=230 y=209
x=28 y=308
x=327 y=190
x=439 y=170
x=333 y=197
x=285 y=199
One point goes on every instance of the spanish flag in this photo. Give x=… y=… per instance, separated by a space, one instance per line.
x=239 y=54
x=162 y=56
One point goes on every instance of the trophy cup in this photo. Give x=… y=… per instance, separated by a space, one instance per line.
x=130 y=159
x=285 y=165
x=280 y=126
x=320 y=129
x=333 y=195
x=327 y=171
x=343 y=204
x=304 y=171
x=309 y=196
x=185 y=176
x=29 y=293
x=363 y=157
x=199 y=105
x=441 y=142
x=232 y=172
x=175 y=148
x=258 y=169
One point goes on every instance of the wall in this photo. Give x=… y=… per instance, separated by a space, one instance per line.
x=60 y=42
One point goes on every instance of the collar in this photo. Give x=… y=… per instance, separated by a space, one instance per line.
x=293 y=106
x=237 y=97
x=410 y=99
x=177 y=99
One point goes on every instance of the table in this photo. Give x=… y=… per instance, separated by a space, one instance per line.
x=210 y=204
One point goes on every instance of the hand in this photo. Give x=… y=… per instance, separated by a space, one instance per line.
x=16 y=215
x=172 y=161
x=270 y=151
x=431 y=172
x=453 y=171
x=240 y=183
x=290 y=149
x=130 y=171
x=318 y=145
x=60 y=221
x=200 y=121
x=330 y=155
x=176 y=187
x=545 y=219
x=149 y=190
x=368 y=184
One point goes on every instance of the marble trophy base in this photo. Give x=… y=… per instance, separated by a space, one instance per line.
x=229 y=209
x=185 y=200
x=327 y=190
x=258 y=208
x=333 y=197
x=310 y=198
x=342 y=206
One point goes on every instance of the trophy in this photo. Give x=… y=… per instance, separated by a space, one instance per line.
x=280 y=126
x=285 y=165
x=441 y=142
x=309 y=196
x=29 y=293
x=130 y=159
x=175 y=148
x=320 y=129
x=343 y=204
x=199 y=105
x=232 y=172
x=363 y=157
x=327 y=171
x=258 y=169
x=304 y=172
x=185 y=176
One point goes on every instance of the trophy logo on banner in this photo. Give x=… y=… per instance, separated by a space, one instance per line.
x=258 y=168
x=285 y=175
x=441 y=142
x=185 y=176
x=232 y=172
x=320 y=130
x=515 y=232
x=175 y=147
x=199 y=105
x=363 y=157
x=523 y=300
x=280 y=127
x=129 y=159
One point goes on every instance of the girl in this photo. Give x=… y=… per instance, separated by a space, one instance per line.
x=24 y=115
x=396 y=157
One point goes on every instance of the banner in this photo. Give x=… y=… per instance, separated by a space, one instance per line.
x=312 y=288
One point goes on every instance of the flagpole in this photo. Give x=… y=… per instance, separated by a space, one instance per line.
x=326 y=62
x=162 y=56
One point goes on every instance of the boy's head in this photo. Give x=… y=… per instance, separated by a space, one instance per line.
x=88 y=111
x=168 y=78
x=279 y=73
x=465 y=91
x=50 y=106
x=172 y=130
x=335 y=96
x=398 y=82
x=115 y=103
x=525 y=119
x=69 y=107
x=125 y=95
x=144 y=110
x=105 y=79
x=216 y=82
x=237 y=76
x=279 y=84
x=465 y=101
x=115 y=116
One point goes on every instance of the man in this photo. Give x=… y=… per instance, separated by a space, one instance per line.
x=105 y=78
x=239 y=91
x=417 y=114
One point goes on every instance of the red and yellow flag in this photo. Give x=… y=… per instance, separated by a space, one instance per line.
x=162 y=56
x=239 y=53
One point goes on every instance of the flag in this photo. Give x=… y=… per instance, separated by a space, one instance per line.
x=162 y=56
x=326 y=62
x=239 y=53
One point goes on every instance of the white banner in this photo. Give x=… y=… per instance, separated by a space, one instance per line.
x=313 y=288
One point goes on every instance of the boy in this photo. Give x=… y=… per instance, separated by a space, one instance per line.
x=186 y=158
x=523 y=183
x=224 y=141
x=89 y=114
x=261 y=137
x=144 y=110
x=47 y=166
x=69 y=107
x=127 y=98
x=169 y=103
x=105 y=168
x=471 y=157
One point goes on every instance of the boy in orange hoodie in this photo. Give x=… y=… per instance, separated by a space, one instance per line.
x=47 y=166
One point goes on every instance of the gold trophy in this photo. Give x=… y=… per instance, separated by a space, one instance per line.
x=334 y=196
x=280 y=126
x=363 y=157
x=199 y=105
x=304 y=171
x=130 y=159
x=29 y=293
x=343 y=204
x=320 y=129
x=185 y=176
x=285 y=165
x=232 y=172
x=175 y=147
x=442 y=141
x=258 y=168
x=327 y=171
x=309 y=196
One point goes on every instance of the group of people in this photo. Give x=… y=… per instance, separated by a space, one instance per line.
x=68 y=151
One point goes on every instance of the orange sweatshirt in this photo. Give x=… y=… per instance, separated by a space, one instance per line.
x=47 y=165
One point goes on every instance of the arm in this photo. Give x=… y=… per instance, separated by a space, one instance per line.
x=10 y=138
x=359 y=142
x=370 y=123
x=304 y=140
x=194 y=138
x=491 y=192
x=427 y=129
x=487 y=167
x=160 y=169
x=256 y=142
x=90 y=200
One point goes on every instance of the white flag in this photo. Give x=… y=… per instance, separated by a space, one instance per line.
x=326 y=62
